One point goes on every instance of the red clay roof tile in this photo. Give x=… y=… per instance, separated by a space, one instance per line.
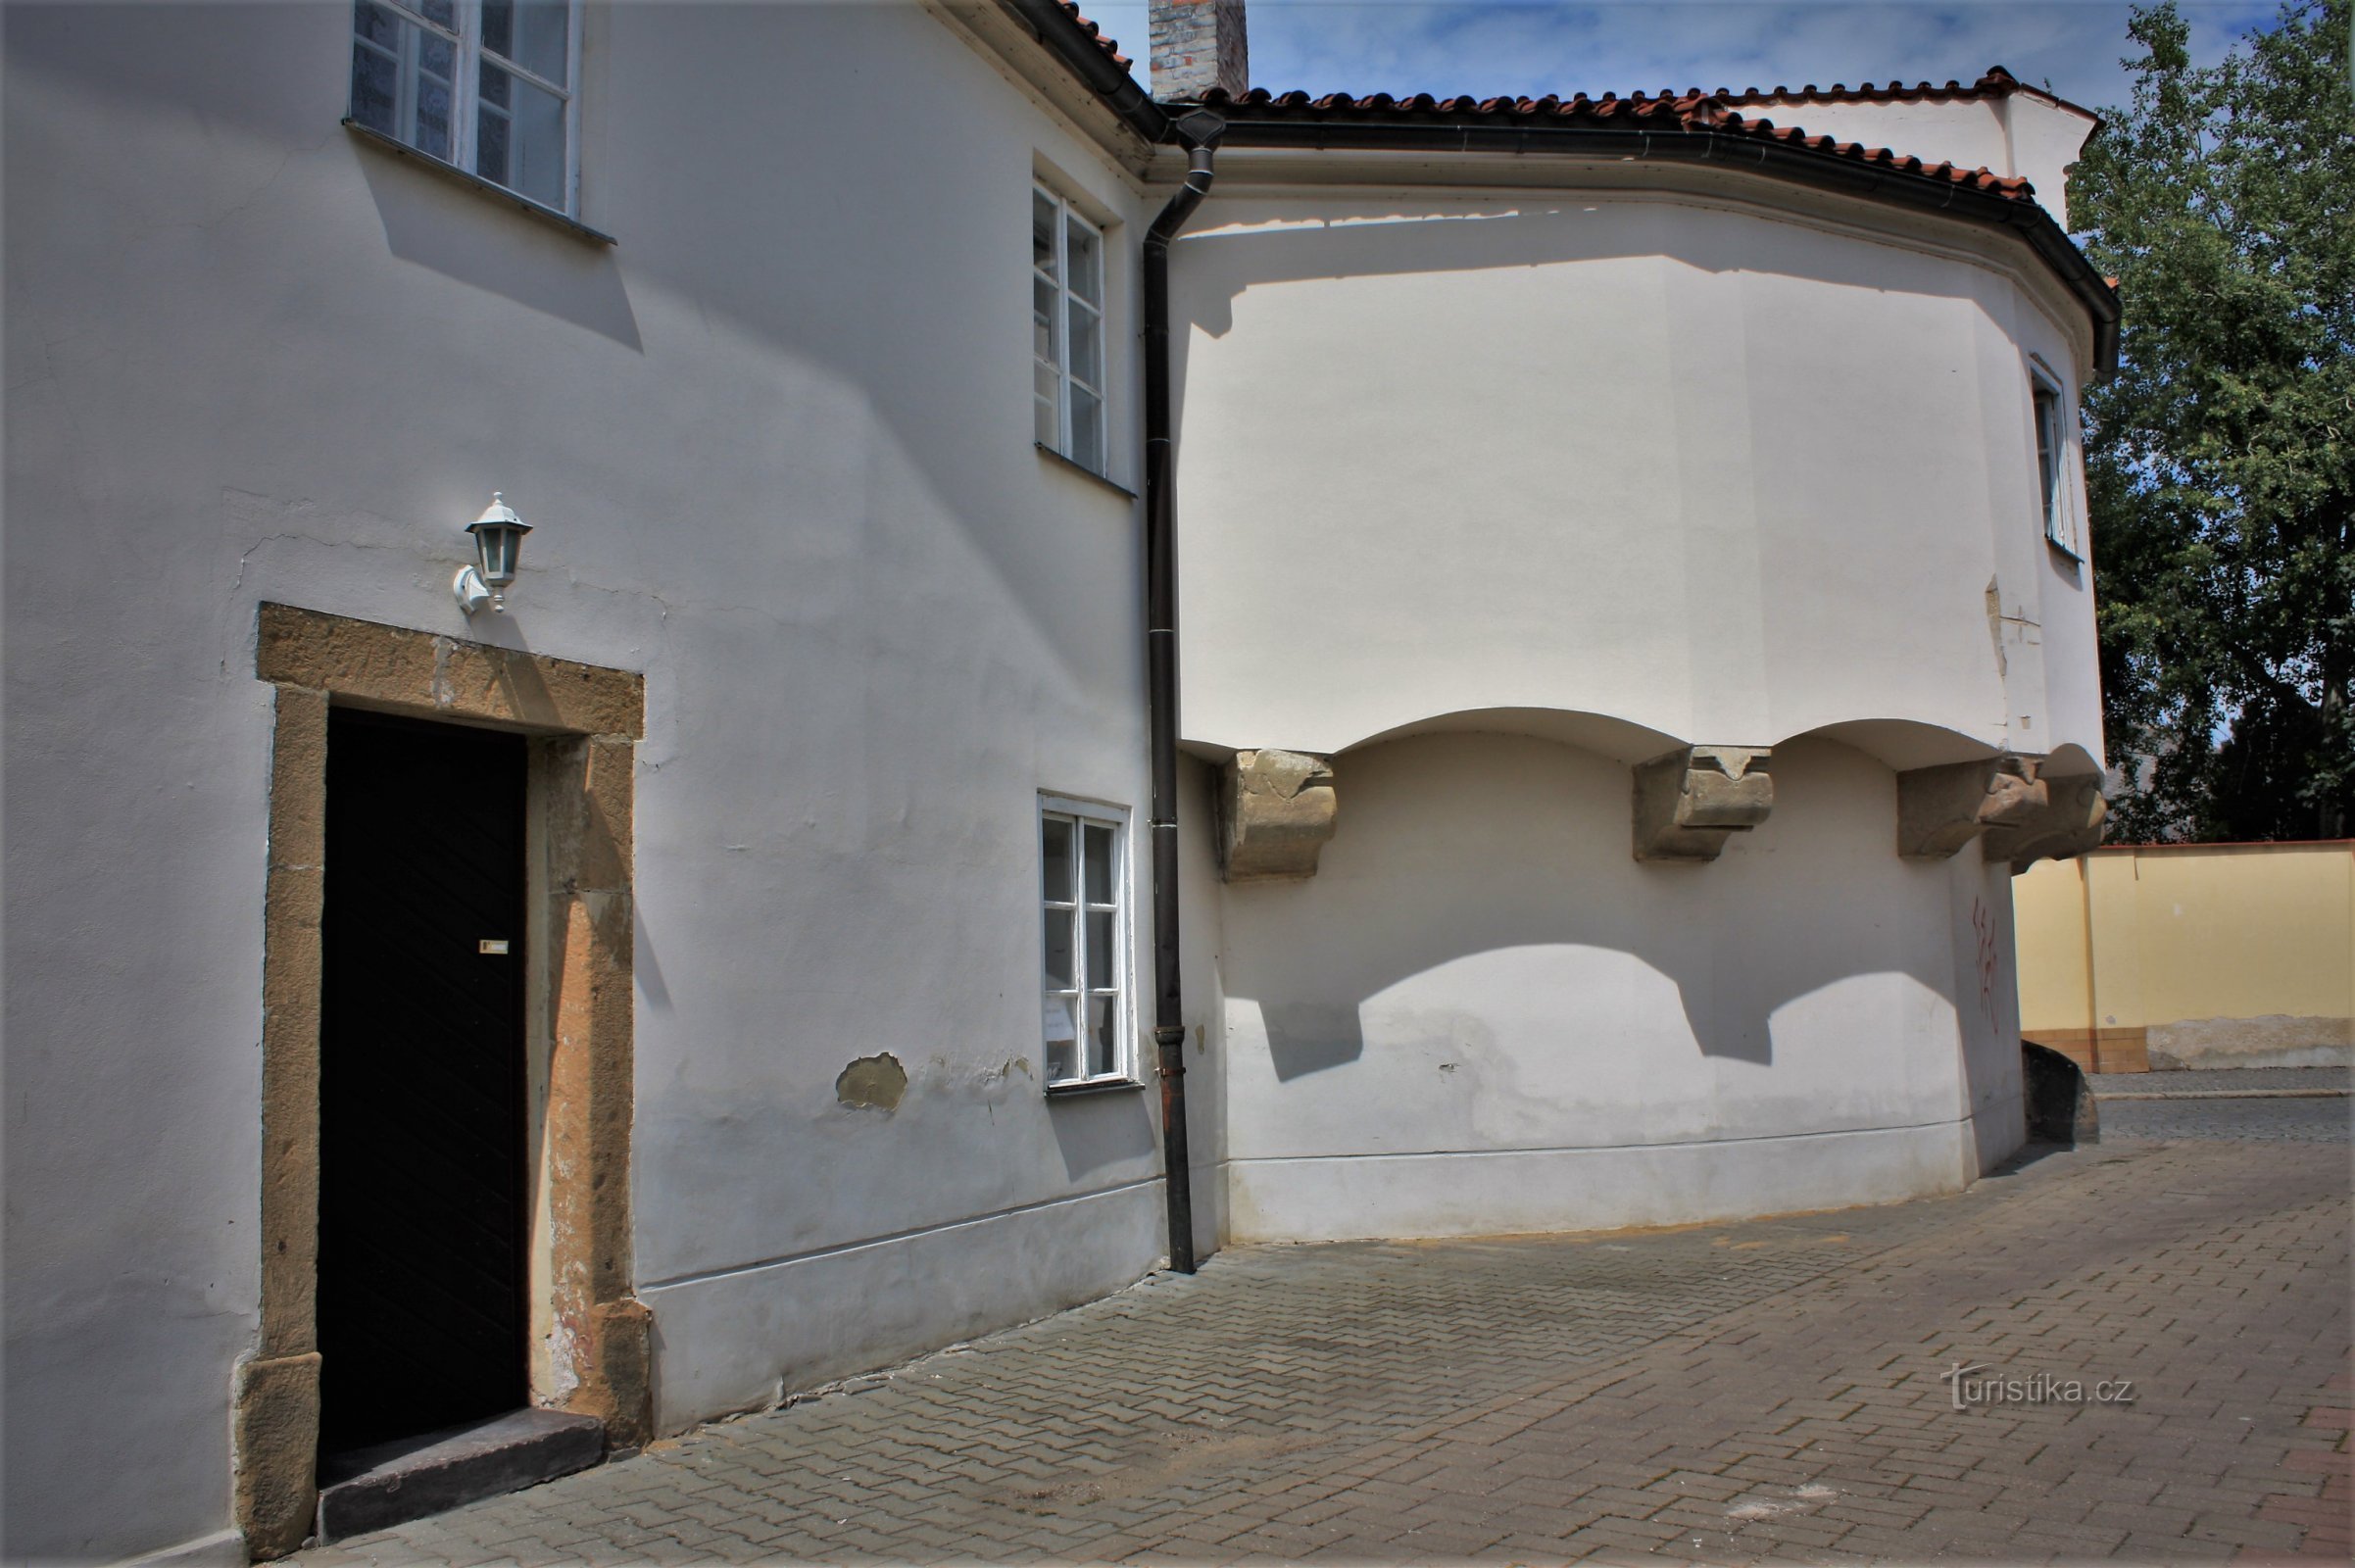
x=1107 y=45
x=1997 y=82
x=1692 y=111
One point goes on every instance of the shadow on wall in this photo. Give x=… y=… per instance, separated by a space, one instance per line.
x=1306 y=1037
x=1377 y=240
x=889 y=381
x=1479 y=937
x=463 y=234
x=1094 y=1131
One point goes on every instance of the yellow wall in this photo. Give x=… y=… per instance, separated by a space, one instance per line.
x=2191 y=956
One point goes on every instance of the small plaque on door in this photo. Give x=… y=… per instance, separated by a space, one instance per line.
x=491 y=945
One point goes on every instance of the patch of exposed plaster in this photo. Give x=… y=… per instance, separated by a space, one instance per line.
x=990 y=1085
x=872 y=1083
x=563 y=1364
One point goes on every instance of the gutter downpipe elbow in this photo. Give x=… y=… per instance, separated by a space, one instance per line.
x=1198 y=133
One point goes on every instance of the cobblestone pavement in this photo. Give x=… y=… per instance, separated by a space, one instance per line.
x=2224 y=1080
x=2301 y=1120
x=1728 y=1392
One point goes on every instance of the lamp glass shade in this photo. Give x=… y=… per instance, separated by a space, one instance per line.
x=498 y=541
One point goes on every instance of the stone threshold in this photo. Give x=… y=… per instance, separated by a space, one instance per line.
x=393 y=1483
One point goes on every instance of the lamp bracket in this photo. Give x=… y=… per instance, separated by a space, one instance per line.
x=472 y=592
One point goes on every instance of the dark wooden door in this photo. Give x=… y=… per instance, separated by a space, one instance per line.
x=421 y=1149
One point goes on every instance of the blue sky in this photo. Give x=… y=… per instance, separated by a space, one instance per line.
x=1494 y=47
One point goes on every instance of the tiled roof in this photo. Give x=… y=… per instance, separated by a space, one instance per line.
x=1996 y=83
x=1667 y=123
x=1107 y=45
x=1690 y=111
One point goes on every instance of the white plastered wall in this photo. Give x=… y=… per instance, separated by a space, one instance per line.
x=776 y=449
x=1722 y=472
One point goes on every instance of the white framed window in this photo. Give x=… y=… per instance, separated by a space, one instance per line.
x=1066 y=328
x=2048 y=407
x=1083 y=861
x=484 y=86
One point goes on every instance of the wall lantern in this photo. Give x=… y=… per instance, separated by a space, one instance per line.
x=498 y=540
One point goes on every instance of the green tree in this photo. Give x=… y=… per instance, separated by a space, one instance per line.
x=2221 y=457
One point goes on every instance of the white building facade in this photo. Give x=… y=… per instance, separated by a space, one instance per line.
x=1622 y=658
x=1505 y=475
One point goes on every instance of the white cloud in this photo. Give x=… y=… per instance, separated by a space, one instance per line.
x=1493 y=47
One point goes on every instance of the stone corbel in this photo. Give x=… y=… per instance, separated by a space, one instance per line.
x=1276 y=811
x=1939 y=810
x=2067 y=822
x=1689 y=800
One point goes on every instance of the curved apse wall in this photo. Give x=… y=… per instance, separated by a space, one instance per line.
x=1482 y=1014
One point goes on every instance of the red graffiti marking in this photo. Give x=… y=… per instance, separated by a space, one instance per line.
x=1989 y=957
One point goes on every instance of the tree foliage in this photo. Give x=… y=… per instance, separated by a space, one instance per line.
x=2221 y=457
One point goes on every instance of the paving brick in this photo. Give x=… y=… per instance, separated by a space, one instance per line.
x=1725 y=1394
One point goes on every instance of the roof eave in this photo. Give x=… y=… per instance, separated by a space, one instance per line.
x=1060 y=33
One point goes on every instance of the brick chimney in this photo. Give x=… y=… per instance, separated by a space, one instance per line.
x=1198 y=45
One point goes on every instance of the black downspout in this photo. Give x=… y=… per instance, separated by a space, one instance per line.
x=1198 y=133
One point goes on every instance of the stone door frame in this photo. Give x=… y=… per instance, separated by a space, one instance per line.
x=592 y=1352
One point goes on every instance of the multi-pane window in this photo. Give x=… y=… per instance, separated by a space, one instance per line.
x=1066 y=326
x=2052 y=466
x=1084 y=940
x=482 y=84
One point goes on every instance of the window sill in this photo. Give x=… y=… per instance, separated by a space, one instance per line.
x=1084 y=470
x=1091 y=1086
x=2063 y=550
x=371 y=136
